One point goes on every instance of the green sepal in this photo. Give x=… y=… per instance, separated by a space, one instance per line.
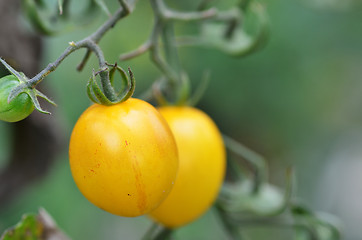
x=231 y=37
x=111 y=75
x=157 y=92
x=90 y=92
x=97 y=92
x=200 y=90
x=310 y=225
x=238 y=198
x=97 y=95
x=239 y=43
x=19 y=75
x=131 y=84
x=24 y=87
x=40 y=94
x=182 y=93
x=184 y=89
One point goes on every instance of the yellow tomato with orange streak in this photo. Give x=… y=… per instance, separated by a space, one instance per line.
x=123 y=157
x=202 y=163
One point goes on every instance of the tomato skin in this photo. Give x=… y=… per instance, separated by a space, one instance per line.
x=123 y=157
x=20 y=107
x=202 y=164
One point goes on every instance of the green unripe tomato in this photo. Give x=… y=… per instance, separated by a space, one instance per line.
x=20 y=107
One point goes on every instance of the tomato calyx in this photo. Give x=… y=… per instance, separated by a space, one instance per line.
x=25 y=87
x=184 y=96
x=100 y=95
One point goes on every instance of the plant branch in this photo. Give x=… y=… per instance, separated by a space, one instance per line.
x=137 y=52
x=164 y=15
x=254 y=158
x=155 y=51
x=122 y=12
x=232 y=229
x=278 y=223
x=90 y=43
x=171 y=67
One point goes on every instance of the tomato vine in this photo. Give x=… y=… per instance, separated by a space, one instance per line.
x=220 y=29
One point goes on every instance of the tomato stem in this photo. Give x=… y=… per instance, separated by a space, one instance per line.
x=232 y=229
x=91 y=44
x=257 y=161
x=164 y=28
x=157 y=232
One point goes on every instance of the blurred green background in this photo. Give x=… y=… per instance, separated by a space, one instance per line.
x=297 y=102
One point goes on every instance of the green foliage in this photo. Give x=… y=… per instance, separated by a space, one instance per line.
x=35 y=227
x=311 y=226
x=289 y=102
x=29 y=228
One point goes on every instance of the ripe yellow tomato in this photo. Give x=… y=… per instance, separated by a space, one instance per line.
x=202 y=164
x=123 y=157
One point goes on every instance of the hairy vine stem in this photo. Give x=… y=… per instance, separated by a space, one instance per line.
x=257 y=161
x=91 y=43
x=176 y=82
x=163 y=45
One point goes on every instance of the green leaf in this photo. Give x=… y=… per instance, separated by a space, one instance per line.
x=29 y=228
x=35 y=227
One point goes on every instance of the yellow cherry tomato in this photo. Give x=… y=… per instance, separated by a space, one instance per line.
x=123 y=157
x=202 y=164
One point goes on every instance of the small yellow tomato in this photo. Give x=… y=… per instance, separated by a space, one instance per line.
x=123 y=157
x=202 y=164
